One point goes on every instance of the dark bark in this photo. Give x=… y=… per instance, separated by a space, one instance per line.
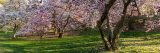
x=132 y=19
x=60 y=35
x=110 y=35
x=113 y=36
x=137 y=7
x=67 y=21
x=106 y=44
x=102 y=19
x=41 y=36
x=61 y=31
x=106 y=12
x=120 y=26
x=15 y=27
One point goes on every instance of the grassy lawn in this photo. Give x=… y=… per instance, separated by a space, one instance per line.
x=131 y=42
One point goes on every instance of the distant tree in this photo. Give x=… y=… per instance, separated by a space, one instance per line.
x=37 y=26
x=68 y=15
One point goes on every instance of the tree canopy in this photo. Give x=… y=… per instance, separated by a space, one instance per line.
x=3 y=1
x=110 y=17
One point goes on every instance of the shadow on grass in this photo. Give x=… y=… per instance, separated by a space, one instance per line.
x=139 y=34
x=5 y=36
x=89 y=32
x=86 y=42
x=15 y=48
x=77 y=44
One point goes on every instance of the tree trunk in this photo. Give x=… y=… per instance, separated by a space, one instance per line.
x=114 y=44
x=120 y=26
x=113 y=36
x=41 y=36
x=15 y=28
x=102 y=19
x=110 y=35
x=60 y=35
x=61 y=31
x=106 y=44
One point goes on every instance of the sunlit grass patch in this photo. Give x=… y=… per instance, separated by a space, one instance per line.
x=141 y=49
x=130 y=42
x=141 y=43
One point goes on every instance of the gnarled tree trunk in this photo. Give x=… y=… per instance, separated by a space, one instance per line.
x=113 y=35
x=102 y=19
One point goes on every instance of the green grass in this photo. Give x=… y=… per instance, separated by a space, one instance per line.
x=70 y=44
x=90 y=42
x=140 y=42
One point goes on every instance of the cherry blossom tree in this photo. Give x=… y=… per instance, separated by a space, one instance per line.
x=38 y=25
x=62 y=15
x=67 y=14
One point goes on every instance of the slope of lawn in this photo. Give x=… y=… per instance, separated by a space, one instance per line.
x=140 y=42
x=90 y=42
